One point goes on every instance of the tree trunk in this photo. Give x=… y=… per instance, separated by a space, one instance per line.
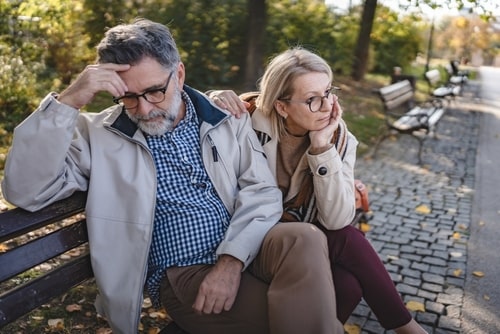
x=360 y=63
x=255 y=43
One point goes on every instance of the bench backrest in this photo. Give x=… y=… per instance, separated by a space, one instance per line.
x=396 y=95
x=41 y=248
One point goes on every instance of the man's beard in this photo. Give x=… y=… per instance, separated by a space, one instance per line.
x=167 y=117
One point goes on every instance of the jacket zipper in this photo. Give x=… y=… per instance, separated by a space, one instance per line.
x=215 y=154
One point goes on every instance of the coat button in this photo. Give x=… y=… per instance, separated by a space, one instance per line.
x=322 y=170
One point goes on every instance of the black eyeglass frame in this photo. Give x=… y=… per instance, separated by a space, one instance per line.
x=310 y=100
x=163 y=90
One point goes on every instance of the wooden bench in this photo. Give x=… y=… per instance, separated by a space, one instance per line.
x=404 y=116
x=439 y=88
x=70 y=234
x=455 y=75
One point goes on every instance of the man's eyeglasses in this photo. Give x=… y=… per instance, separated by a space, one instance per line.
x=315 y=103
x=152 y=96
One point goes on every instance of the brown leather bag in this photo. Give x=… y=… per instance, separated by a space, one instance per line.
x=361 y=193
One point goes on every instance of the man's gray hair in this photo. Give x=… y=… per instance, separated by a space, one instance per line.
x=129 y=43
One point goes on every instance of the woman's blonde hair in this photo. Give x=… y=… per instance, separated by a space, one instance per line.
x=279 y=76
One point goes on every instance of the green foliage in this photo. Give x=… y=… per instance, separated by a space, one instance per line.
x=210 y=35
x=396 y=40
x=306 y=23
x=17 y=96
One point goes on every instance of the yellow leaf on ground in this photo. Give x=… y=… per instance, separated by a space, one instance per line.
x=423 y=209
x=3 y=248
x=457 y=272
x=352 y=329
x=486 y=297
x=415 y=306
x=456 y=235
x=364 y=227
x=478 y=273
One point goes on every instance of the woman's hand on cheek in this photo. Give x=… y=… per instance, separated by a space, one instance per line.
x=321 y=139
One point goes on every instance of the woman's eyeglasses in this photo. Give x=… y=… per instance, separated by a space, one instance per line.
x=315 y=103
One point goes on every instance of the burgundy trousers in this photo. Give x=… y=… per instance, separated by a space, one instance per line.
x=359 y=273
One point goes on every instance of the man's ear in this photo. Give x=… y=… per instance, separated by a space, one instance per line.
x=181 y=74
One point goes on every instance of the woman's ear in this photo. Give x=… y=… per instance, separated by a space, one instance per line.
x=280 y=108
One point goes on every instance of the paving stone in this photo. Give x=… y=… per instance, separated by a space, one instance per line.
x=434 y=307
x=432 y=278
x=448 y=299
x=427 y=318
x=453 y=311
x=406 y=289
x=432 y=287
x=446 y=322
x=372 y=326
x=434 y=261
x=427 y=294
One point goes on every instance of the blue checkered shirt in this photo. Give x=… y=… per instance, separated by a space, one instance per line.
x=190 y=218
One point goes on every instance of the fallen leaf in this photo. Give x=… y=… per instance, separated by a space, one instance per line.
x=462 y=227
x=481 y=223
x=364 y=227
x=486 y=297
x=73 y=308
x=478 y=273
x=352 y=329
x=158 y=314
x=56 y=324
x=457 y=272
x=37 y=317
x=3 y=248
x=154 y=330
x=415 y=306
x=146 y=303
x=456 y=254
x=423 y=209
x=104 y=330
x=456 y=235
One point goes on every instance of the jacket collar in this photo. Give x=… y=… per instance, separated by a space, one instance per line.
x=206 y=111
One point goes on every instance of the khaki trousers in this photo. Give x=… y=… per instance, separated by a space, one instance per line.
x=288 y=289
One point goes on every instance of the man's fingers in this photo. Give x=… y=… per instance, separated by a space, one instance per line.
x=199 y=303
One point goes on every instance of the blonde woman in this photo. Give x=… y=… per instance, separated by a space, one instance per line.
x=298 y=119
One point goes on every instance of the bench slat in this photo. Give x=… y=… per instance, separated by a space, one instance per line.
x=17 y=221
x=40 y=250
x=22 y=300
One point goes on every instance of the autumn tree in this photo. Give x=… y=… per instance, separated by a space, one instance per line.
x=256 y=34
x=361 y=52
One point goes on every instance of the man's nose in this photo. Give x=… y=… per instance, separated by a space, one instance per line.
x=144 y=107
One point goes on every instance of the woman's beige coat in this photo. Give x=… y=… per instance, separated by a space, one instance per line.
x=334 y=190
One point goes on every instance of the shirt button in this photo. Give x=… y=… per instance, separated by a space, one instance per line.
x=322 y=170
